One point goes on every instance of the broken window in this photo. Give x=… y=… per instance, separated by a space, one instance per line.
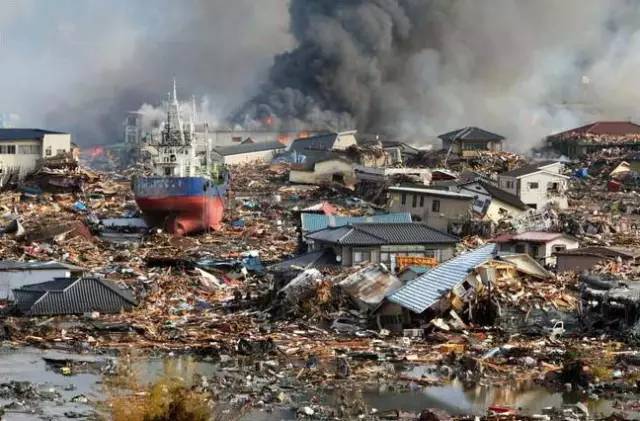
x=48 y=151
x=435 y=206
x=533 y=185
x=520 y=248
x=559 y=248
x=167 y=171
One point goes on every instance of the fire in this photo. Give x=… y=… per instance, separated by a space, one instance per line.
x=303 y=134
x=95 y=152
x=268 y=121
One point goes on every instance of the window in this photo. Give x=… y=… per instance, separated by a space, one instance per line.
x=520 y=248
x=533 y=186
x=8 y=149
x=509 y=184
x=422 y=201
x=435 y=206
x=414 y=203
x=559 y=248
x=384 y=257
x=48 y=151
x=167 y=171
x=404 y=198
x=535 y=250
x=361 y=256
x=29 y=149
x=60 y=151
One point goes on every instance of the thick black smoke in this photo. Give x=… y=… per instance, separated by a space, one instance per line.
x=416 y=68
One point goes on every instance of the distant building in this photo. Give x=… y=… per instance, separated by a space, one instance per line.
x=20 y=150
x=338 y=141
x=15 y=274
x=383 y=242
x=439 y=209
x=468 y=141
x=246 y=153
x=133 y=128
x=596 y=136
x=537 y=185
x=542 y=246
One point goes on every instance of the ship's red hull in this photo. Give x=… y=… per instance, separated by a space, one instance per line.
x=182 y=215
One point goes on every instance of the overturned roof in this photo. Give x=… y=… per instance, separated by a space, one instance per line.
x=370 y=285
x=602 y=128
x=424 y=291
x=322 y=142
x=25 y=134
x=497 y=193
x=383 y=233
x=249 y=147
x=471 y=133
x=316 y=222
x=73 y=296
x=11 y=265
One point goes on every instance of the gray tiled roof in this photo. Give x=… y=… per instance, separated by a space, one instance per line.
x=6 y=265
x=383 y=233
x=323 y=142
x=315 y=222
x=424 y=291
x=248 y=148
x=72 y=296
x=471 y=133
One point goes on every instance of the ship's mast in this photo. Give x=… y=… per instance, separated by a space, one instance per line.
x=174 y=133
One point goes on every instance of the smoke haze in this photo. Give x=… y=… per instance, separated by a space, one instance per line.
x=409 y=68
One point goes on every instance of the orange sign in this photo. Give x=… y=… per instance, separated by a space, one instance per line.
x=404 y=261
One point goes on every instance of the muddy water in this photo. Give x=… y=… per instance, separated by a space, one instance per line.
x=27 y=364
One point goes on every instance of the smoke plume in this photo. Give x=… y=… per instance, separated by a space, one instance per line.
x=417 y=68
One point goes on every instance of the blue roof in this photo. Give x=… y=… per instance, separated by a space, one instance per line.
x=424 y=291
x=316 y=222
x=24 y=134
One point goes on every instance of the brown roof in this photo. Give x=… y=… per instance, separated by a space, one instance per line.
x=611 y=128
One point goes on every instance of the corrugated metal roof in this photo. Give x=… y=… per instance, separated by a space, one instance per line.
x=369 y=285
x=316 y=222
x=424 y=291
x=383 y=233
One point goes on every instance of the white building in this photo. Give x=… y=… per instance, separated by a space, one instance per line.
x=491 y=202
x=537 y=185
x=20 y=149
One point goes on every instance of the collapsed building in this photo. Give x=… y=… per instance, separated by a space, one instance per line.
x=594 y=137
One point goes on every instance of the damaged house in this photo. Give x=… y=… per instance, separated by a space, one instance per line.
x=72 y=296
x=440 y=209
x=595 y=137
x=542 y=246
x=384 y=242
x=452 y=285
x=247 y=153
x=491 y=202
x=537 y=185
x=17 y=274
x=585 y=258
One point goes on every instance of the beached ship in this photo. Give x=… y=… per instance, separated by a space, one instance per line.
x=186 y=192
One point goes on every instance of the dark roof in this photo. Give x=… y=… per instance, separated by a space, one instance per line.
x=383 y=233
x=11 y=265
x=315 y=259
x=311 y=222
x=611 y=128
x=72 y=296
x=323 y=142
x=499 y=194
x=527 y=169
x=248 y=148
x=471 y=133
x=24 y=134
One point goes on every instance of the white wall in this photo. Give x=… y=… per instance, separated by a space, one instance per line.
x=26 y=162
x=539 y=196
x=15 y=279
x=250 y=157
x=56 y=143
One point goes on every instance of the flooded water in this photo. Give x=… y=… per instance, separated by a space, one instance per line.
x=28 y=364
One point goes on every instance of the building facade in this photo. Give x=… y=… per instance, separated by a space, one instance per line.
x=436 y=208
x=537 y=185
